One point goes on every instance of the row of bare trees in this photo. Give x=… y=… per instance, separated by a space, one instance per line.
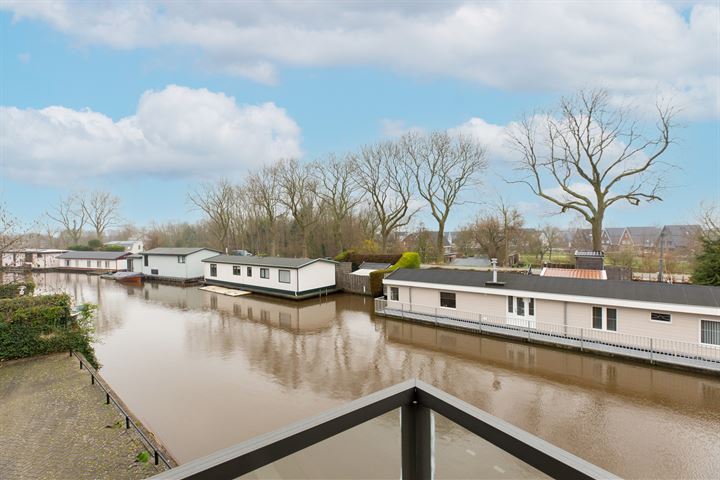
x=98 y=209
x=361 y=198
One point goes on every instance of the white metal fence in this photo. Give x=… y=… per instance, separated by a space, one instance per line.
x=648 y=348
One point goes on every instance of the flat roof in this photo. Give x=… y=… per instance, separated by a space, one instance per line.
x=680 y=294
x=83 y=255
x=280 y=262
x=574 y=273
x=175 y=250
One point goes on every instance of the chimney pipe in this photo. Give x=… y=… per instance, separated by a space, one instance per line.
x=494 y=282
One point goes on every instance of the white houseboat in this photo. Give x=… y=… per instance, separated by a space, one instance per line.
x=654 y=321
x=296 y=278
x=32 y=258
x=182 y=264
x=93 y=261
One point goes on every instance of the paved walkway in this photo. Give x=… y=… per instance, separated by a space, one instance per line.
x=55 y=425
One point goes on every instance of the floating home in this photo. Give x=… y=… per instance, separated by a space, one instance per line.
x=32 y=258
x=295 y=278
x=93 y=261
x=620 y=316
x=174 y=264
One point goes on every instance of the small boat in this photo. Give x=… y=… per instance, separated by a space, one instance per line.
x=133 y=278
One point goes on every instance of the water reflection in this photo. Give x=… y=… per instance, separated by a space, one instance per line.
x=206 y=371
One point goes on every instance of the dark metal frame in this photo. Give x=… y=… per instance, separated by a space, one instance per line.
x=416 y=400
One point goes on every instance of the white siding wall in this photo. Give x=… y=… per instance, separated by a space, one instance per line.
x=316 y=275
x=94 y=264
x=169 y=266
x=225 y=274
x=684 y=327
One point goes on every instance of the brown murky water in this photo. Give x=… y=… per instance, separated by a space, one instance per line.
x=205 y=371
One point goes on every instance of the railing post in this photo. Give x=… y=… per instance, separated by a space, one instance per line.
x=417 y=448
x=652 y=360
x=581 y=339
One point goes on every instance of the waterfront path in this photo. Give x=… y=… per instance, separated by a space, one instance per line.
x=55 y=425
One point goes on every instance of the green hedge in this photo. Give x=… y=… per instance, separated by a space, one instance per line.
x=40 y=325
x=407 y=260
x=14 y=289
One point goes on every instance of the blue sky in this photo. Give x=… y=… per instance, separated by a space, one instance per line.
x=280 y=83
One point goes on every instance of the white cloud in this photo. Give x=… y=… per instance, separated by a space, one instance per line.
x=631 y=48
x=177 y=131
x=493 y=137
x=24 y=57
x=396 y=128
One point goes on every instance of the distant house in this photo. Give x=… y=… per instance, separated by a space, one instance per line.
x=640 y=238
x=32 y=258
x=611 y=237
x=680 y=237
x=132 y=246
x=176 y=264
x=87 y=261
x=480 y=261
x=295 y=278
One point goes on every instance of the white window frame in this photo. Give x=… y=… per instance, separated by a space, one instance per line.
x=661 y=321
x=712 y=345
x=266 y=271
x=394 y=292
x=289 y=276
x=604 y=317
x=237 y=268
x=181 y=259
x=440 y=305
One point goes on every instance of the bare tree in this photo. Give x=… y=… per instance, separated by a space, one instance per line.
x=217 y=201
x=497 y=231
x=338 y=190
x=263 y=190
x=710 y=219
x=369 y=224
x=71 y=217
x=10 y=226
x=552 y=236
x=299 y=196
x=443 y=166
x=385 y=177
x=591 y=157
x=101 y=208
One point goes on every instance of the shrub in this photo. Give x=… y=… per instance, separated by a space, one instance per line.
x=80 y=248
x=707 y=263
x=40 y=325
x=407 y=260
x=112 y=248
x=16 y=289
x=94 y=243
x=344 y=255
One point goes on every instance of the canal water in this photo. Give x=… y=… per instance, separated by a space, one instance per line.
x=205 y=371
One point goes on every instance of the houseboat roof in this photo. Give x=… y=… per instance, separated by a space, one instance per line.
x=678 y=294
x=374 y=266
x=176 y=250
x=280 y=262
x=90 y=255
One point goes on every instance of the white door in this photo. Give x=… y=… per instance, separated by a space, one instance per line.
x=522 y=312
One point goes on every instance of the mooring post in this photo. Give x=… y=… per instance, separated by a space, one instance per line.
x=127 y=422
x=92 y=379
x=417 y=449
x=157 y=457
x=107 y=398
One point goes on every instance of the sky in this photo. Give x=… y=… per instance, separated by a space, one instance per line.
x=148 y=99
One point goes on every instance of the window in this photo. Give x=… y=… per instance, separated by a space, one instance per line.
x=284 y=276
x=145 y=259
x=88 y=263
x=264 y=273
x=99 y=263
x=181 y=258
x=709 y=332
x=154 y=271
x=447 y=299
x=213 y=270
x=611 y=319
x=531 y=307
x=510 y=304
x=395 y=293
x=249 y=271
x=520 y=304
x=67 y=263
x=236 y=270
x=107 y=264
x=597 y=318
x=660 y=317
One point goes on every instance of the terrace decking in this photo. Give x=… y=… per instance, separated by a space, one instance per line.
x=654 y=350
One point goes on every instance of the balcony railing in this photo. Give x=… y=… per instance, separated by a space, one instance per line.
x=416 y=401
x=694 y=355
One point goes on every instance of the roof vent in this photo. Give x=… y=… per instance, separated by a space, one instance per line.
x=494 y=282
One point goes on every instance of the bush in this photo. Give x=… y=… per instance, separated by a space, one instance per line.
x=707 y=263
x=344 y=255
x=407 y=260
x=40 y=325
x=112 y=248
x=94 y=243
x=16 y=289
x=80 y=248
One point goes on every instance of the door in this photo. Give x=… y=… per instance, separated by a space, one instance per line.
x=521 y=312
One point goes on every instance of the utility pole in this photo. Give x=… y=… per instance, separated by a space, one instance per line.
x=660 y=261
